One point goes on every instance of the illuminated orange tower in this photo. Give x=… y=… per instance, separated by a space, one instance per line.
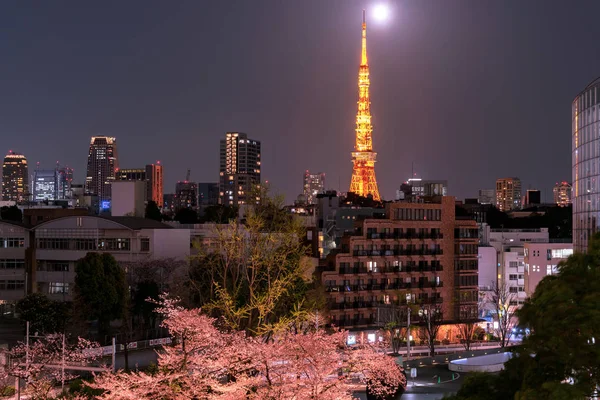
x=363 y=180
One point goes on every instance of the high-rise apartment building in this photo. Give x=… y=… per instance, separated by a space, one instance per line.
x=419 y=256
x=15 y=178
x=313 y=184
x=508 y=194
x=102 y=167
x=186 y=195
x=486 y=196
x=585 y=160
x=239 y=172
x=562 y=194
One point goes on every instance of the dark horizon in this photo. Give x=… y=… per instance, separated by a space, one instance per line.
x=468 y=91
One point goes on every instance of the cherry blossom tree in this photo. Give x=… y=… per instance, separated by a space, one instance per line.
x=211 y=363
x=46 y=361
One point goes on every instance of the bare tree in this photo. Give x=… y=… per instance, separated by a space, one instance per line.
x=392 y=320
x=503 y=305
x=432 y=319
x=467 y=333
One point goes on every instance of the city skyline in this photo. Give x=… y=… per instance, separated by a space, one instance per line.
x=115 y=84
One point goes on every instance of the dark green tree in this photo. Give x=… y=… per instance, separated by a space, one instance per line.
x=186 y=216
x=100 y=289
x=152 y=211
x=144 y=291
x=220 y=214
x=11 y=213
x=43 y=314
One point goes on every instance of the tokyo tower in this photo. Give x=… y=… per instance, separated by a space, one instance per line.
x=363 y=180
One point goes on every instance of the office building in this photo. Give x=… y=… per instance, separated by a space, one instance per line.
x=43 y=258
x=533 y=197
x=45 y=184
x=562 y=194
x=486 y=196
x=15 y=178
x=508 y=194
x=208 y=193
x=102 y=167
x=239 y=171
x=541 y=260
x=312 y=185
x=152 y=175
x=419 y=255
x=186 y=195
x=65 y=180
x=426 y=188
x=131 y=174
x=585 y=160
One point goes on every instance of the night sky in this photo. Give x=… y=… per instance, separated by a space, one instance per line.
x=469 y=91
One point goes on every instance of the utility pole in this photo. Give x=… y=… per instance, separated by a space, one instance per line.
x=408 y=336
x=62 y=367
x=114 y=351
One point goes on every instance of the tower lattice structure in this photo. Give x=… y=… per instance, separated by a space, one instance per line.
x=363 y=180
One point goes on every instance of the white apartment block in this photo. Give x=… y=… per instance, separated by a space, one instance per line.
x=42 y=258
x=541 y=260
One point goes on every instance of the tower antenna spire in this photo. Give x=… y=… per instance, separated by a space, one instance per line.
x=363 y=180
x=363 y=59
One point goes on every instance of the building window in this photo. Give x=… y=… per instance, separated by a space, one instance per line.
x=114 y=244
x=12 y=242
x=53 y=244
x=513 y=264
x=58 y=288
x=12 y=285
x=12 y=264
x=560 y=253
x=513 y=289
x=145 y=244
x=86 y=244
x=512 y=277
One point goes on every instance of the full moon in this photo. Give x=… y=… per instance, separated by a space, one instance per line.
x=381 y=12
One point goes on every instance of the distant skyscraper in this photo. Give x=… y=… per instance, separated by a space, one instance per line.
x=508 y=194
x=102 y=167
x=45 y=184
x=208 y=193
x=186 y=195
x=486 y=196
x=363 y=181
x=65 y=180
x=533 y=197
x=154 y=178
x=239 y=172
x=15 y=178
x=562 y=194
x=313 y=184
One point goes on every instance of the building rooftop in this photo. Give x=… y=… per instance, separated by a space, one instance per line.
x=137 y=223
